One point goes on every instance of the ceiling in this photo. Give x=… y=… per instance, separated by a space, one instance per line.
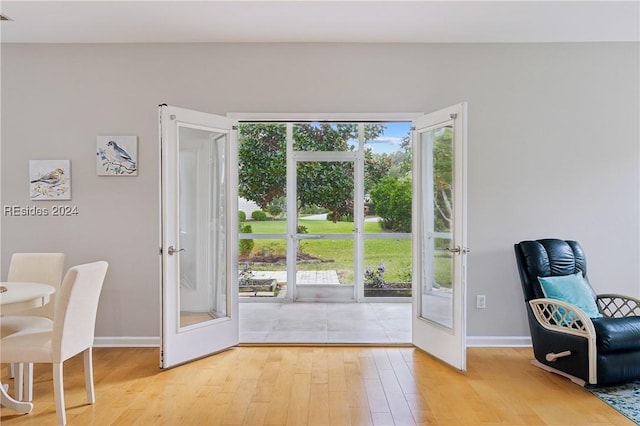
x=146 y=21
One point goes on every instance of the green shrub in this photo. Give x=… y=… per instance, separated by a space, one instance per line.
x=259 y=215
x=392 y=199
x=343 y=218
x=274 y=210
x=242 y=216
x=245 y=246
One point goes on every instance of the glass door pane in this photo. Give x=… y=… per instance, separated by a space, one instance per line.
x=388 y=196
x=262 y=208
x=437 y=291
x=202 y=218
x=325 y=230
x=387 y=267
x=325 y=261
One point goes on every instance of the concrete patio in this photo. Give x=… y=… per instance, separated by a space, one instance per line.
x=332 y=323
x=277 y=320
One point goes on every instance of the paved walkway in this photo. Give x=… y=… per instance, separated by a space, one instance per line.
x=302 y=277
x=324 y=217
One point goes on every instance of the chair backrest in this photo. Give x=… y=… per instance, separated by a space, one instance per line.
x=76 y=309
x=44 y=268
x=546 y=258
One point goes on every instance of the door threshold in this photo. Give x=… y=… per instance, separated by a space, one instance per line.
x=327 y=344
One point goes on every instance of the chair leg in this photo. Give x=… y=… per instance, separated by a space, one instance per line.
x=88 y=376
x=58 y=393
x=12 y=370
x=28 y=382
x=19 y=381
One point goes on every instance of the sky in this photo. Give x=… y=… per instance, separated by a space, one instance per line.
x=389 y=142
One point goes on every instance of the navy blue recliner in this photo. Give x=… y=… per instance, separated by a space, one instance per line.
x=598 y=351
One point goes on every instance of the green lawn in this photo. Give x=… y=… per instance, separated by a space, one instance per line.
x=313 y=227
x=395 y=254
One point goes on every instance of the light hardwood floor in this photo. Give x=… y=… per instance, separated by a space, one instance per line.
x=316 y=386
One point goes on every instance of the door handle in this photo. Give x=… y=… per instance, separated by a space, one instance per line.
x=458 y=250
x=171 y=250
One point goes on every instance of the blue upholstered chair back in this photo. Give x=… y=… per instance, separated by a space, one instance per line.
x=546 y=258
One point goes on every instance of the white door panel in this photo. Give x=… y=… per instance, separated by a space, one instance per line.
x=199 y=194
x=439 y=229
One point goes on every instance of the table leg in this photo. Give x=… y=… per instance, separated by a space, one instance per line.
x=8 y=402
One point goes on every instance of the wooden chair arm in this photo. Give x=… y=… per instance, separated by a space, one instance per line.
x=618 y=306
x=562 y=317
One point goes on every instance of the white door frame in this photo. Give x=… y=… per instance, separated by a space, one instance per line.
x=342 y=293
x=292 y=157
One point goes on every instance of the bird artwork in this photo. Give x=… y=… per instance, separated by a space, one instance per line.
x=116 y=155
x=49 y=179
x=52 y=178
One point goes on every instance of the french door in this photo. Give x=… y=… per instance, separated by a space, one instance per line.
x=199 y=234
x=313 y=281
x=199 y=238
x=439 y=227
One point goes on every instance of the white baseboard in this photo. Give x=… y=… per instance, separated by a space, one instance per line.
x=126 y=342
x=498 y=341
x=472 y=341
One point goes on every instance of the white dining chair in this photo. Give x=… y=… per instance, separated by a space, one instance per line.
x=71 y=332
x=44 y=268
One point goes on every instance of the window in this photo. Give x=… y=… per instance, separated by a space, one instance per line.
x=334 y=199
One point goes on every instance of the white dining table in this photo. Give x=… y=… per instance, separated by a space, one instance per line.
x=16 y=297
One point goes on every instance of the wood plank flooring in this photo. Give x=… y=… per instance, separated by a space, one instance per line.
x=315 y=386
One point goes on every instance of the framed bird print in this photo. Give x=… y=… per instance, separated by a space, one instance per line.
x=117 y=156
x=50 y=179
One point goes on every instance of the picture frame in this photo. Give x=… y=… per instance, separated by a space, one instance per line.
x=49 y=180
x=117 y=156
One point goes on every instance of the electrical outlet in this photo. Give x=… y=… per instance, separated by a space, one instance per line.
x=481 y=301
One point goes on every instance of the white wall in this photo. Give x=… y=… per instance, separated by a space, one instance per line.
x=553 y=147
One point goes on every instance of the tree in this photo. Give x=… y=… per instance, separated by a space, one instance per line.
x=406 y=160
x=327 y=184
x=263 y=162
x=443 y=179
x=376 y=167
